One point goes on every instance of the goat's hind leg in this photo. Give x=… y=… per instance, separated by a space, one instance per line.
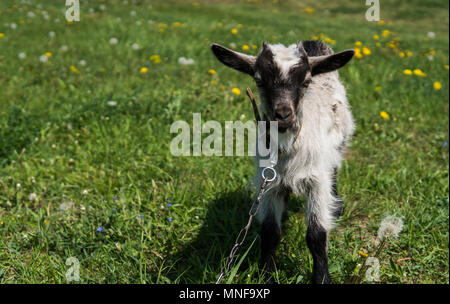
x=320 y=219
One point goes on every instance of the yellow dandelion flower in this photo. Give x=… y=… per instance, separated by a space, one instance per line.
x=437 y=85
x=255 y=47
x=446 y=67
x=219 y=24
x=378 y=44
x=358 y=43
x=236 y=91
x=144 y=70
x=418 y=72
x=329 y=40
x=46 y=222
x=2 y=35
x=155 y=59
x=377 y=89
x=240 y=25
x=48 y=54
x=407 y=72
x=315 y=38
x=308 y=10
x=214 y=82
x=401 y=54
x=176 y=24
x=22 y=21
x=385 y=33
x=358 y=53
x=408 y=53
x=212 y=72
x=381 y=22
x=384 y=115
x=363 y=254
x=376 y=37
x=195 y=3
x=366 y=51
x=245 y=47
x=73 y=69
x=234 y=31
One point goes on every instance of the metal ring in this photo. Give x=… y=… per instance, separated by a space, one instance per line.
x=274 y=174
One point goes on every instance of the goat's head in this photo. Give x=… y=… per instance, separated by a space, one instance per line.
x=282 y=75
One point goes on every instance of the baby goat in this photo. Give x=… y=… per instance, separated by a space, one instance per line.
x=300 y=89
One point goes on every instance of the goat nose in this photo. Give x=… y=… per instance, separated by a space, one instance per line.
x=283 y=114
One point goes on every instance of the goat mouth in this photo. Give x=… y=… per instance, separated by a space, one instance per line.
x=283 y=125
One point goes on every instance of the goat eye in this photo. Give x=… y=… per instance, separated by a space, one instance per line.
x=306 y=82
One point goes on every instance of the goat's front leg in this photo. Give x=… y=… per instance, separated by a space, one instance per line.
x=321 y=215
x=270 y=215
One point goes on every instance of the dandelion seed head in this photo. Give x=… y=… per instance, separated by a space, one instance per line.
x=390 y=226
x=113 y=41
x=185 y=61
x=32 y=197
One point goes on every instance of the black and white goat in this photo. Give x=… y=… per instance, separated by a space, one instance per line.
x=299 y=88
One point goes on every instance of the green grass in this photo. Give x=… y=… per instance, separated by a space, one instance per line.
x=60 y=140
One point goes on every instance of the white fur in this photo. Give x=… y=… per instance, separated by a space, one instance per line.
x=306 y=166
x=285 y=57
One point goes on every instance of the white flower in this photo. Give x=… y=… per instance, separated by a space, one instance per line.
x=111 y=103
x=390 y=226
x=30 y=15
x=22 y=55
x=138 y=22
x=57 y=20
x=51 y=34
x=32 y=197
x=82 y=62
x=13 y=26
x=18 y=185
x=102 y=7
x=233 y=45
x=133 y=13
x=43 y=59
x=431 y=35
x=135 y=46
x=113 y=41
x=64 y=48
x=67 y=205
x=85 y=192
x=185 y=61
x=430 y=57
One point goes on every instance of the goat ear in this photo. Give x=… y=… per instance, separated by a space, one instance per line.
x=238 y=61
x=328 y=63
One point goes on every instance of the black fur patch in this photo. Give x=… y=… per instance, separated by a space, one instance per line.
x=340 y=210
x=316 y=48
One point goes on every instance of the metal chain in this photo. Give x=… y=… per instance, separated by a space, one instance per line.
x=244 y=230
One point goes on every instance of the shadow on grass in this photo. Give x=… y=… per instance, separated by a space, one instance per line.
x=200 y=261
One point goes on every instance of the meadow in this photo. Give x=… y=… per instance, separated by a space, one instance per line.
x=85 y=165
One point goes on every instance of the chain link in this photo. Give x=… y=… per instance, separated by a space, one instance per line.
x=243 y=232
